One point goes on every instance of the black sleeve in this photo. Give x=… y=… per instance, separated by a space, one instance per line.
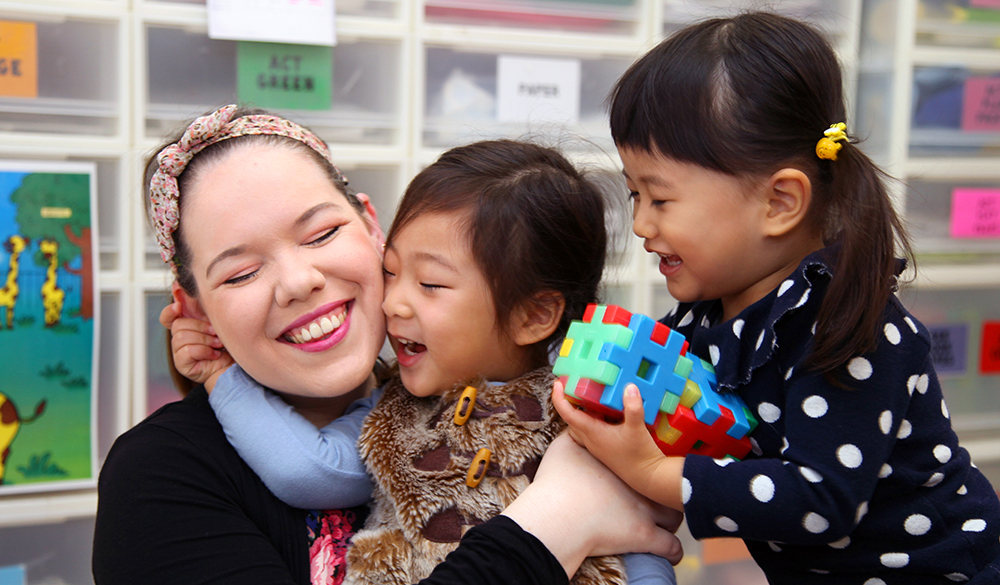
x=498 y=552
x=170 y=512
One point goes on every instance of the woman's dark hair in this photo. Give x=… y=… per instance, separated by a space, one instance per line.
x=217 y=151
x=535 y=224
x=747 y=96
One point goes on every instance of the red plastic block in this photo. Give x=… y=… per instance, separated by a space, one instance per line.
x=615 y=314
x=660 y=334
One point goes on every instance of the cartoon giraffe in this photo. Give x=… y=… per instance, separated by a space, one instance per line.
x=8 y=294
x=52 y=295
x=9 y=424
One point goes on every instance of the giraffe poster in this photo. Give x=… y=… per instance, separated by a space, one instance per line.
x=48 y=325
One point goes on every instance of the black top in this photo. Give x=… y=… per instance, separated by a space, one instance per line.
x=178 y=505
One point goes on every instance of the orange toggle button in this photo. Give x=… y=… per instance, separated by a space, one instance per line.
x=477 y=471
x=463 y=410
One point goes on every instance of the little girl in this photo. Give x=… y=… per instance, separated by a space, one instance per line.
x=495 y=249
x=777 y=236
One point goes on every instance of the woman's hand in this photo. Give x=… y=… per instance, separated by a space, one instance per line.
x=578 y=508
x=197 y=353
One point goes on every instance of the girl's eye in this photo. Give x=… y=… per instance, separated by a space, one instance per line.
x=386 y=273
x=431 y=286
x=633 y=194
x=324 y=237
x=241 y=278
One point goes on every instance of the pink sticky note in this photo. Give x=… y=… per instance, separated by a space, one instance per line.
x=975 y=213
x=985 y=3
x=981 y=106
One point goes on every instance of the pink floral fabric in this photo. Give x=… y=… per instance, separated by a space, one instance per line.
x=205 y=131
x=330 y=532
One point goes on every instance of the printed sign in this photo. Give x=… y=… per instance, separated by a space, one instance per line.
x=975 y=213
x=537 y=89
x=305 y=22
x=989 y=359
x=18 y=59
x=49 y=324
x=282 y=76
x=949 y=348
x=981 y=105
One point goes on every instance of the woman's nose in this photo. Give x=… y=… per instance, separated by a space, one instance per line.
x=297 y=280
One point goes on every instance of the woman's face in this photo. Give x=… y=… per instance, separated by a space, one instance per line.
x=288 y=273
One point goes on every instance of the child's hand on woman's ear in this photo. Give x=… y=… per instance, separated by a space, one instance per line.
x=626 y=448
x=197 y=353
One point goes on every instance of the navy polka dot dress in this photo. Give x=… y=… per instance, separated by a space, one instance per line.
x=867 y=485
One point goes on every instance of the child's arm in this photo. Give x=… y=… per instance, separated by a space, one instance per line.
x=302 y=465
x=196 y=351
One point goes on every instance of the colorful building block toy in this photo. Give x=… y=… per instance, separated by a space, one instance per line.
x=611 y=348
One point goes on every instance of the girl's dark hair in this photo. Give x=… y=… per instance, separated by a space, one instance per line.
x=535 y=224
x=752 y=94
x=219 y=150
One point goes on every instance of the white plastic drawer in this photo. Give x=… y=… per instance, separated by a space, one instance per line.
x=589 y=16
x=929 y=217
x=833 y=17
x=954 y=23
x=367 y=8
x=190 y=74
x=937 y=127
x=78 y=67
x=461 y=102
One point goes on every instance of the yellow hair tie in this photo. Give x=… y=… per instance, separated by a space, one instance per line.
x=828 y=146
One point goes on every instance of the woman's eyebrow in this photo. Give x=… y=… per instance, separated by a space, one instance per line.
x=309 y=213
x=234 y=251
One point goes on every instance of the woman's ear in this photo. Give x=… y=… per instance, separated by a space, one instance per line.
x=789 y=193
x=190 y=307
x=536 y=319
x=373 y=226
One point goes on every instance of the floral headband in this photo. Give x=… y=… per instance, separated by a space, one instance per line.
x=203 y=132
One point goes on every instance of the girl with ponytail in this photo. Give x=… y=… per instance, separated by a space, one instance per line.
x=779 y=239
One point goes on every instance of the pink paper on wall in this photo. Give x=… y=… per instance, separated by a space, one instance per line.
x=985 y=3
x=975 y=213
x=981 y=106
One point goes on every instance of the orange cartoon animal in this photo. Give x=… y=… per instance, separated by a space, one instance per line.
x=8 y=294
x=10 y=422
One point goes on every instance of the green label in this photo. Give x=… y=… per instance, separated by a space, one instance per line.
x=280 y=76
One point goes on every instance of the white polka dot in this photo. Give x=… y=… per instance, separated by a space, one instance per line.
x=974 y=525
x=942 y=453
x=774 y=546
x=723 y=462
x=911 y=383
x=738 y=327
x=913 y=326
x=956 y=577
x=713 y=352
x=885 y=421
x=934 y=480
x=892 y=334
x=762 y=488
x=860 y=368
x=917 y=524
x=784 y=445
x=705 y=322
x=685 y=490
x=813 y=330
x=840 y=544
x=760 y=340
x=784 y=287
x=726 y=524
x=944 y=409
x=686 y=320
x=673 y=311
x=874 y=581
x=768 y=412
x=811 y=475
x=815 y=523
x=885 y=472
x=802 y=301
x=788 y=374
x=922 y=383
x=895 y=560
x=755 y=447
x=905 y=428
x=849 y=456
x=862 y=510
x=814 y=406
x=963 y=490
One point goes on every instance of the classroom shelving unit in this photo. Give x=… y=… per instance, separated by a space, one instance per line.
x=412 y=78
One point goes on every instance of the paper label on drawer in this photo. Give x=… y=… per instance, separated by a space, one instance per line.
x=305 y=22
x=975 y=213
x=989 y=359
x=985 y=3
x=282 y=76
x=981 y=105
x=949 y=347
x=534 y=89
x=18 y=59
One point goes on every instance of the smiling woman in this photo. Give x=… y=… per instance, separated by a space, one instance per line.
x=283 y=263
